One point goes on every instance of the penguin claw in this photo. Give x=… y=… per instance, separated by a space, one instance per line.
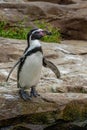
x=33 y=92
x=36 y=94
x=24 y=95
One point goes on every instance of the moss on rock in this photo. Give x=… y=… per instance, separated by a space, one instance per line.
x=43 y=118
x=75 y=110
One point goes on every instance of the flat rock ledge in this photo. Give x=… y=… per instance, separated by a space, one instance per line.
x=63 y=102
x=46 y=110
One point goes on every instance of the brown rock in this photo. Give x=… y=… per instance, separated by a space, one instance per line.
x=63 y=98
x=71 y=18
x=52 y=107
x=1 y=1
x=56 y=1
x=20 y=12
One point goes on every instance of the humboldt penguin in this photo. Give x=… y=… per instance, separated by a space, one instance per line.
x=30 y=65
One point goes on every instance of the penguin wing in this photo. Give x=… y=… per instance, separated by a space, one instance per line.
x=49 y=64
x=21 y=59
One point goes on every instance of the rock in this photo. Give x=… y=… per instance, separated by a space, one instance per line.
x=61 y=99
x=20 y=13
x=1 y=1
x=56 y=1
x=73 y=111
x=63 y=125
x=20 y=128
x=14 y=110
x=71 y=18
x=72 y=66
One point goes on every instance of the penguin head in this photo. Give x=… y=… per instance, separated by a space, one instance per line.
x=37 y=34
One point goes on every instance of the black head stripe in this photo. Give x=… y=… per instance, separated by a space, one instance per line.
x=29 y=34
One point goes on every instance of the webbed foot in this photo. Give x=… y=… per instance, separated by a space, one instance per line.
x=33 y=92
x=24 y=95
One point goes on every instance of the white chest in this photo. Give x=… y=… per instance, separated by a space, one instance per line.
x=31 y=70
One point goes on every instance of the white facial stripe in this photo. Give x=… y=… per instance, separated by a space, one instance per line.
x=37 y=31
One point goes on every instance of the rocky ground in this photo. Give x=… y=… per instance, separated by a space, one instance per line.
x=63 y=102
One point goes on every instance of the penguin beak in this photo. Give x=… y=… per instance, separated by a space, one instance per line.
x=44 y=33
x=47 y=33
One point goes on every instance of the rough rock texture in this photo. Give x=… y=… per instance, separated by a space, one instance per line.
x=70 y=18
x=62 y=100
x=51 y=1
x=16 y=13
x=19 y=1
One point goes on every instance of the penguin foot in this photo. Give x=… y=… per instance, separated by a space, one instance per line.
x=24 y=95
x=33 y=92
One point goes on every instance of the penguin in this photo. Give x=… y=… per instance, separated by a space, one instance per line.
x=30 y=65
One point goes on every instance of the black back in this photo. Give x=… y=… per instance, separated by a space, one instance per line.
x=28 y=36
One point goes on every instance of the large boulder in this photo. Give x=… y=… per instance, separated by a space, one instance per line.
x=20 y=13
x=71 y=19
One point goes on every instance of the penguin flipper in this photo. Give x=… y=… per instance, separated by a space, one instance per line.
x=12 y=69
x=21 y=59
x=49 y=64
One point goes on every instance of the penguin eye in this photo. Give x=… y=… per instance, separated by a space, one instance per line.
x=40 y=33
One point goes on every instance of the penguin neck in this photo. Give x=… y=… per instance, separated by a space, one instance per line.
x=34 y=44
